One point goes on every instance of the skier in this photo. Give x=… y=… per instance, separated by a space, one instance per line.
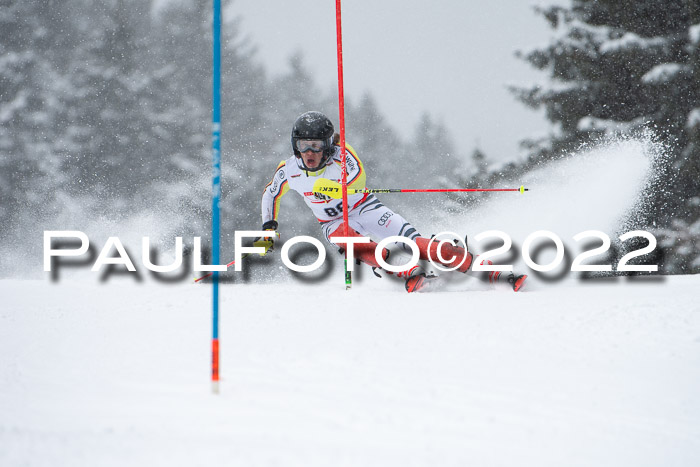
x=317 y=155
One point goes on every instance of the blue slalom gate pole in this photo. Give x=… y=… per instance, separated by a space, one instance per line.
x=216 y=189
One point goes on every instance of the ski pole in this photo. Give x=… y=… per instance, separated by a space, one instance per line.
x=245 y=255
x=332 y=189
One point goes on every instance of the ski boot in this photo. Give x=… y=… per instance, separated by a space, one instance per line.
x=517 y=282
x=415 y=278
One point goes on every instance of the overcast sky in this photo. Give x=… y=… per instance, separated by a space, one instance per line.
x=453 y=58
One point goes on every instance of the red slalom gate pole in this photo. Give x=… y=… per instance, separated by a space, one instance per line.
x=343 y=154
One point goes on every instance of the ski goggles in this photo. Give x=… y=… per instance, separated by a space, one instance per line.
x=313 y=145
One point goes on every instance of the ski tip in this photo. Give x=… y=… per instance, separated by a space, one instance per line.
x=519 y=282
x=416 y=283
x=523 y=189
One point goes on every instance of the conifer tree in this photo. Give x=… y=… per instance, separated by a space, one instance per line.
x=29 y=173
x=112 y=144
x=617 y=66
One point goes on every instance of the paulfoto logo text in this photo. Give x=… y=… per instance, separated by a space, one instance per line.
x=482 y=261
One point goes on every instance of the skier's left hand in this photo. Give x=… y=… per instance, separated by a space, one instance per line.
x=268 y=243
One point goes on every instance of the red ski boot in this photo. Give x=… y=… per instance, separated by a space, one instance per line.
x=415 y=278
x=517 y=281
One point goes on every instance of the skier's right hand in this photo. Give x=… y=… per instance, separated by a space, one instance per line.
x=268 y=243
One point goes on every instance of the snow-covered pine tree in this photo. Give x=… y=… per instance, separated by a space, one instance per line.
x=110 y=135
x=379 y=148
x=29 y=109
x=622 y=65
x=432 y=149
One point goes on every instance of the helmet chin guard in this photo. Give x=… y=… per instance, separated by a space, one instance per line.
x=313 y=126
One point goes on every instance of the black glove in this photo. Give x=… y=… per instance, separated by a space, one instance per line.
x=267 y=242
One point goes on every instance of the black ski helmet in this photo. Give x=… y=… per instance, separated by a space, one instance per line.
x=313 y=125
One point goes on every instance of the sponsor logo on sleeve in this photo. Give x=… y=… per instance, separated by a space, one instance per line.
x=382 y=220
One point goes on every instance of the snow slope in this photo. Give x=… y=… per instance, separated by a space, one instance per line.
x=603 y=374
x=570 y=372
